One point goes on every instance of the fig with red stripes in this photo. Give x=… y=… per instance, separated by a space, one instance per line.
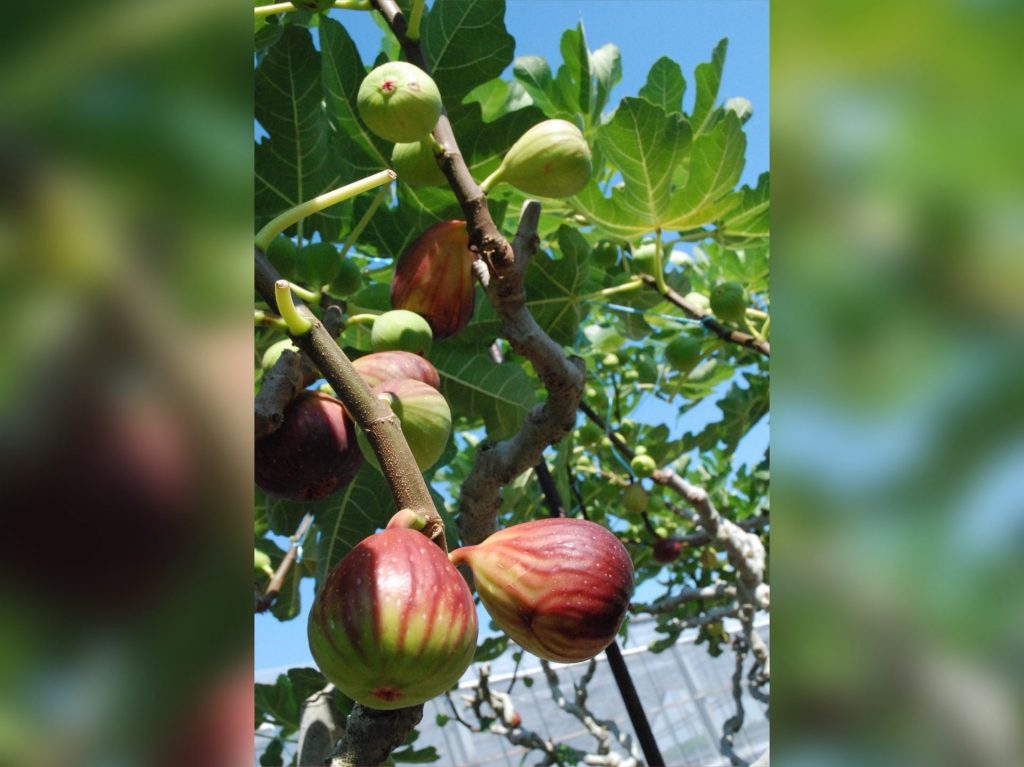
x=394 y=624
x=558 y=587
x=379 y=367
x=434 y=278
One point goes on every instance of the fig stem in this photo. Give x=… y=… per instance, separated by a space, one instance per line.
x=353 y=5
x=408 y=518
x=306 y=295
x=265 y=320
x=362 y=319
x=625 y=287
x=492 y=179
x=412 y=32
x=269 y=10
x=297 y=324
x=357 y=230
x=659 y=262
x=305 y=209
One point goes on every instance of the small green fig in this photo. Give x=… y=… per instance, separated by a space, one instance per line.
x=317 y=263
x=399 y=102
x=559 y=587
x=425 y=417
x=551 y=159
x=282 y=253
x=347 y=280
x=394 y=623
x=643 y=465
x=261 y=563
x=683 y=353
x=643 y=258
x=635 y=499
x=610 y=360
x=401 y=330
x=729 y=302
x=273 y=353
x=434 y=278
x=379 y=367
x=415 y=164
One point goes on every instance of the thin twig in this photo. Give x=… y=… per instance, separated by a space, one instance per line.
x=277 y=580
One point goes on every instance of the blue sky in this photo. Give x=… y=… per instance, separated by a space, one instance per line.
x=644 y=30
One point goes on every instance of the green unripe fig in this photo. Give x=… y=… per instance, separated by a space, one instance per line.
x=643 y=465
x=261 y=563
x=399 y=102
x=401 y=330
x=551 y=159
x=317 y=264
x=729 y=302
x=347 y=280
x=394 y=623
x=273 y=353
x=313 y=6
x=683 y=353
x=415 y=164
x=643 y=259
x=610 y=360
x=604 y=254
x=635 y=499
x=281 y=252
x=424 y=415
x=640 y=450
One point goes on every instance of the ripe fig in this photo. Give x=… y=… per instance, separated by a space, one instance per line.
x=551 y=159
x=635 y=499
x=434 y=278
x=559 y=587
x=683 y=353
x=401 y=330
x=729 y=302
x=425 y=417
x=394 y=624
x=312 y=455
x=399 y=102
x=667 y=550
x=379 y=367
x=415 y=164
x=643 y=465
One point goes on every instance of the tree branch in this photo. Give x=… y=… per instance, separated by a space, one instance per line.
x=709 y=321
x=375 y=418
x=317 y=728
x=734 y=723
x=371 y=735
x=715 y=591
x=290 y=374
x=563 y=378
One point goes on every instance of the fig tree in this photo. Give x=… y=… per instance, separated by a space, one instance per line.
x=399 y=102
x=551 y=159
x=416 y=165
x=384 y=366
x=434 y=278
x=394 y=623
x=312 y=455
x=401 y=330
x=729 y=302
x=559 y=587
x=425 y=417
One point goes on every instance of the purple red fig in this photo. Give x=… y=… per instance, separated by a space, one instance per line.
x=394 y=624
x=313 y=454
x=379 y=367
x=558 y=587
x=667 y=550
x=434 y=278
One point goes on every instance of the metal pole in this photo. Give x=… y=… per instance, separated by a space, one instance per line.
x=635 y=709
